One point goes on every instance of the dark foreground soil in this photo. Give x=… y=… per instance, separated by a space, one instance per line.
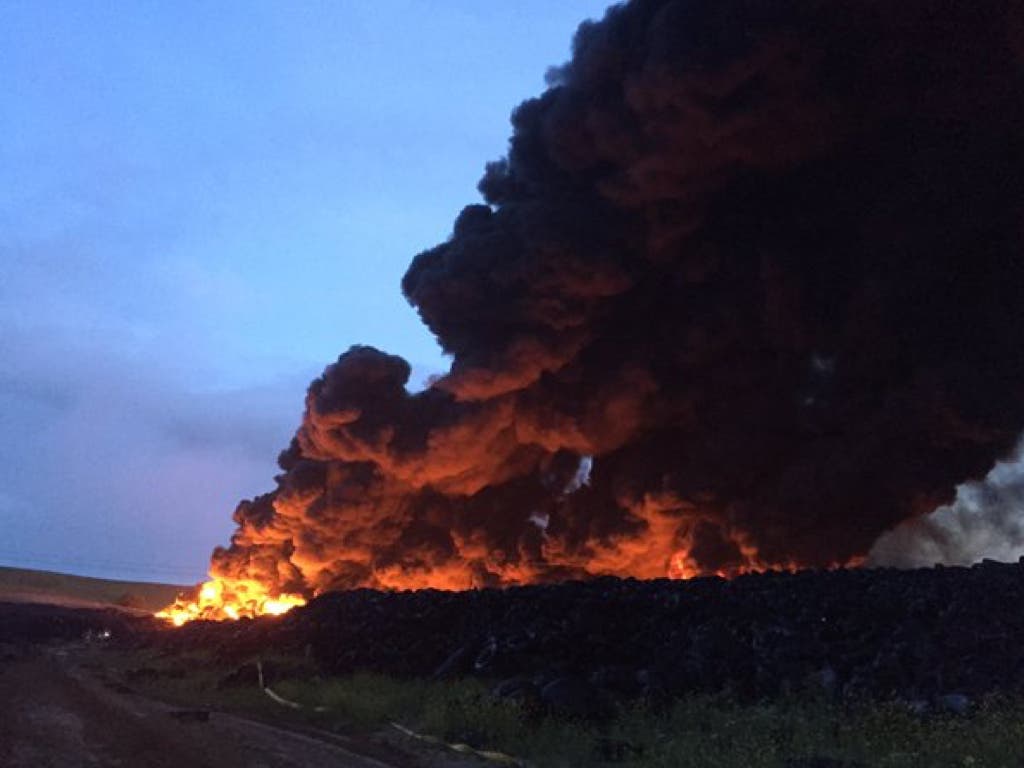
x=60 y=713
x=68 y=701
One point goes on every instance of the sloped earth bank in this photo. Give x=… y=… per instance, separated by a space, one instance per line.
x=936 y=637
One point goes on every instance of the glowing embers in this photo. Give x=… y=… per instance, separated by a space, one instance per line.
x=221 y=599
x=684 y=566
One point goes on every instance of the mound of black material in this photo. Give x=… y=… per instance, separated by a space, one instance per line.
x=882 y=633
x=35 y=623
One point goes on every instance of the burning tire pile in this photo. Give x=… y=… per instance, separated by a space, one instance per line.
x=938 y=634
x=744 y=292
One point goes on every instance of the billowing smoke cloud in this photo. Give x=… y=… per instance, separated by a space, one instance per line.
x=746 y=290
x=985 y=520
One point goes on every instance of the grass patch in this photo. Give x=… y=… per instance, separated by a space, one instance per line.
x=699 y=731
x=460 y=711
x=713 y=732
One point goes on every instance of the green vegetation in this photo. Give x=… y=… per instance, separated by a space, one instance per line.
x=712 y=731
x=456 y=712
x=46 y=586
x=699 y=731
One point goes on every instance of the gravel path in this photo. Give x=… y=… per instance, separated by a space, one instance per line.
x=59 y=714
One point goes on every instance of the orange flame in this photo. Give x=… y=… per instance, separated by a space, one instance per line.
x=224 y=598
x=220 y=599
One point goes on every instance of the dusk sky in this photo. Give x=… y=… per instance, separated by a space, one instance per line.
x=203 y=205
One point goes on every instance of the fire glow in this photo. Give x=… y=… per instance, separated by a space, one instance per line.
x=232 y=599
x=222 y=599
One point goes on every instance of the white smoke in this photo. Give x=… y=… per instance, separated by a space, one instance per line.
x=582 y=475
x=985 y=521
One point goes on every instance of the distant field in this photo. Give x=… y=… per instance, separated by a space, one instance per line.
x=24 y=585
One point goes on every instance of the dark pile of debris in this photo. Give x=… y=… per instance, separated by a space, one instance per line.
x=26 y=624
x=924 y=635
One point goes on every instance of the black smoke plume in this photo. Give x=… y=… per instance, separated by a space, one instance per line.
x=746 y=290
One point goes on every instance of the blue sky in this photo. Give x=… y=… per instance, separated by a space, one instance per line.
x=202 y=205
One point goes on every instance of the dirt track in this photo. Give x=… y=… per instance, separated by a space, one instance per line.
x=60 y=714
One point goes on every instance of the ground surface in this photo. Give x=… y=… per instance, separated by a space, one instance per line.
x=62 y=709
x=844 y=670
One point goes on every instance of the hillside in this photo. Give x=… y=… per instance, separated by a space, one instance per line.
x=24 y=585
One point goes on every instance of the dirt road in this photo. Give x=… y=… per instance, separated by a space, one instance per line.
x=57 y=713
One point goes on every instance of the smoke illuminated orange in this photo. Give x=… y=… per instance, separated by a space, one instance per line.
x=220 y=599
x=230 y=599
